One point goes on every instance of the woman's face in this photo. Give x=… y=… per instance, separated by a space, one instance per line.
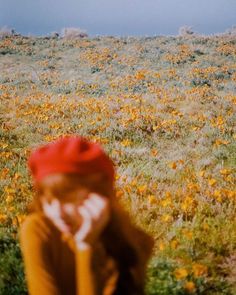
x=61 y=198
x=66 y=190
x=74 y=196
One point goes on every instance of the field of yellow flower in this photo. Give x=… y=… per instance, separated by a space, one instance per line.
x=164 y=110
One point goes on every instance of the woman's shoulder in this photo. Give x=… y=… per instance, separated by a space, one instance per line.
x=36 y=224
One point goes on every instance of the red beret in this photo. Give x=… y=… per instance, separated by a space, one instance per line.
x=70 y=155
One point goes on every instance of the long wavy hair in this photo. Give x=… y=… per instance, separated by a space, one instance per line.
x=128 y=245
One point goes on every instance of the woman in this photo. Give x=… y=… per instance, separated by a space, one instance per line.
x=78 y=239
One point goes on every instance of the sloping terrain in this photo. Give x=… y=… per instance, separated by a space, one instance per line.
x=164 y=110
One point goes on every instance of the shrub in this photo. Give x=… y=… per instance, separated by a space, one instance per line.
x=73 y=33
x=12 y=280
x=165 y=278
x=186 y=31
x=54 y=35
x=6 y=32
x=231 y=31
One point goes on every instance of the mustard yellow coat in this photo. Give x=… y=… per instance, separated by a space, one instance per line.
x=54 y=266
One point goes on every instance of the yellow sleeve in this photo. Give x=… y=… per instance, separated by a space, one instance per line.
x=35 y=250
x=84 y=276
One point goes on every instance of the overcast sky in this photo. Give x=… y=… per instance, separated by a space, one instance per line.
x=118 y=17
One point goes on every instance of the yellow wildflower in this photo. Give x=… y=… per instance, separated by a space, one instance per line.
x=154 y=152
x=190 y=287
x=188 y=234
x=174 y=244
x=212 y=182
x=225 y=172
x=205 y=226
x=142 y=188
x=180 y=273
x=199 y=269
x=166 y=218
x=217 y=195
x=202 y=173
x=173 y=165
x=165 y=202
x=152 y=199
x=126 y=142
x=161 y=246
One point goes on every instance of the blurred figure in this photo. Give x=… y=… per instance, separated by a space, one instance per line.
x=77 y=239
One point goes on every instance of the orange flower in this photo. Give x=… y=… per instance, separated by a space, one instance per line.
x=199 y=269
x=140 y=75
x=174 y=244
x=212 y=182
x=4 y=172
x=190 y=287
x=142 y=188
x=9 y=199
x=221 y=142
x=154 y=152
x=165 y=202
x=173 y=165
x=152 y=199
x=202 y=173
x=225 y=172
x=180 y=273
x=126 y=142
x=217 y=195
x=188 y=234
x=166 y=218
x=161 y=246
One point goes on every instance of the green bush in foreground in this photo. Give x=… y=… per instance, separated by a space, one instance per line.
x=162 y=279
x=12 y=280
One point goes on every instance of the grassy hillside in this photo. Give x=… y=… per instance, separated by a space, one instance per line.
x=164 y=110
